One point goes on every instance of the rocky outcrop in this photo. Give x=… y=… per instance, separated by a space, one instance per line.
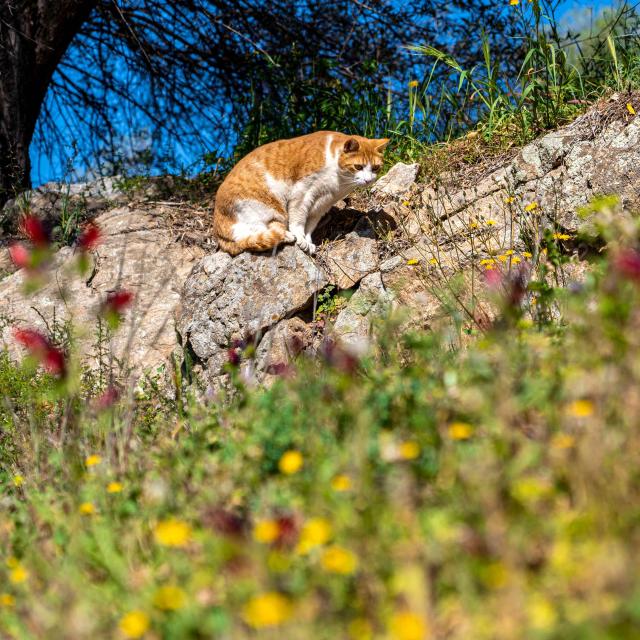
x=138 y=253
x=406 y=245
x=548 y=180
x=348 y=260
x=231 y=301
x=441 y=229
x=251 y=300
x=397 y=181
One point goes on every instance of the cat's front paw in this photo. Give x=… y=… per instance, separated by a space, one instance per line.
x=289 y=237
x=307 y=247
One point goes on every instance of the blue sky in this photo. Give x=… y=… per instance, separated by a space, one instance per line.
x=576 y=13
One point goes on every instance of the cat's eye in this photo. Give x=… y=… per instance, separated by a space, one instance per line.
x=358 y=167
x=376 y=168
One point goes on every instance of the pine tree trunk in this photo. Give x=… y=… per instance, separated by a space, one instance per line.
x=34 y=34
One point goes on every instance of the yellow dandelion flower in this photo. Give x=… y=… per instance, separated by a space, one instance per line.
x=341 y=483
x=269 y=609
x=291 y=462
x=489 y=267
x=87 y=509
x=409 y=450
x=265 y=531
x=413 y=261
x=630 y=109
x=413 y=84
x=530 y=489
x=580 y=408
x=93 y=460
x=134 y=624
x=18 y=574
x=561 y=236
x=562 y=441
x=503 y=258
x=7 y=600
x=360 y=629
x=541 y=613
x=406 y=203
x=433 y=261
x=114 y=487
x=173 y=533
x=514 y=3
x=516 y=260
x=406 y=625
x=527 y=255
x=473 y=225
x=18 y=480
x=509 y=252
x=495 y=575
x=169 y=598
x=460 y=431
x=486 y=261
x=336 y=559
x=531 y=207
x=491 y=222
x=315 y=533
x=509 y=200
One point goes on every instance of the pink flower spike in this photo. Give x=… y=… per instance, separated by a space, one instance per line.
x=35 y=231
x=90 y=237
x=627 y=263
x=493 y=278
x=20 y=255
x=31 y=339
x=119 y=300
x=54 y=361
x=108 y=398
x=234 y=357
x=40 y=347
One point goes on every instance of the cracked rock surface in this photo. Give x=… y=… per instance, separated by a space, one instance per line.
x=390 y=246
x=137 y=253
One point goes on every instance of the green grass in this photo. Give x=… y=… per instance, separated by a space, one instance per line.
x=560 y=76
x=486 y=491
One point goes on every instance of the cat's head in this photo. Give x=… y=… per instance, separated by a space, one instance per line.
x=361 y=159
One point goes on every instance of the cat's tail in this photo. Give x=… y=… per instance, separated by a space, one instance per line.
x=271 y=237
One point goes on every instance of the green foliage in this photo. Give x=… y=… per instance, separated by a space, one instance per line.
x=73 y=215
x=329 y=303
x=488 y=492
x=319 y=100
x=558 y=76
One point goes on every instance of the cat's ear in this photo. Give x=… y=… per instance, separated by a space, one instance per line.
x=351 y=145
x=381 y=144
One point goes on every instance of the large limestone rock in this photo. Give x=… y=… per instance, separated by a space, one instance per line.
x=253 y=300
x=137 y=253
x=232 y=300
x=353 y=324
x=595 y=155
x=398 y=180
x=348 y=260
x=396 y=247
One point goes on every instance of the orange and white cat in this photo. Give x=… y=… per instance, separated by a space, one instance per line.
x=279 y=192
